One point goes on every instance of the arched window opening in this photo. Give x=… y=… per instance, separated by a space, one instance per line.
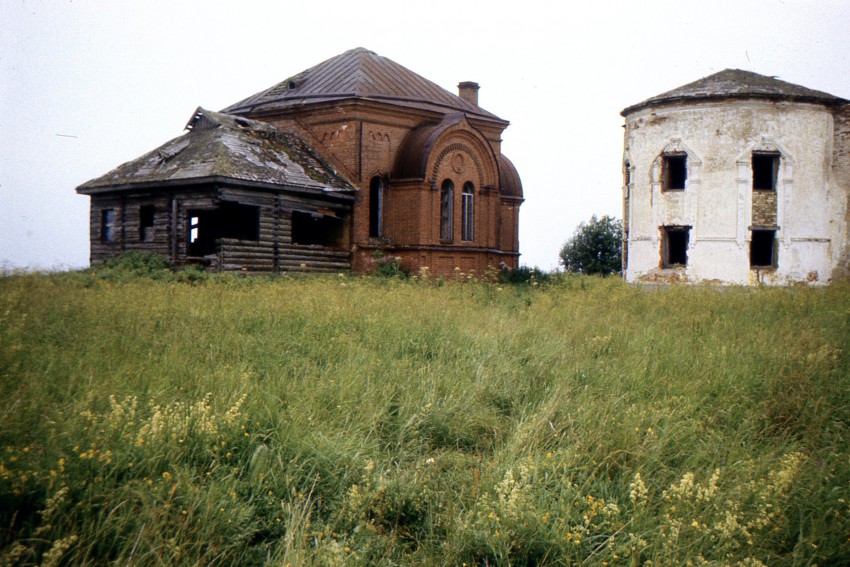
x=467 y=212
x=376 y=207
x=446 y=197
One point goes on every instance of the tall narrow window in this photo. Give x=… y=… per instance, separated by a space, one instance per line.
x=468 y=212
x=674 y=246
x=376 y=207
x=674 y=172
x=763 y=249
x=765 y=170
x=446 y=197
x=107 y=225
x=147 y=213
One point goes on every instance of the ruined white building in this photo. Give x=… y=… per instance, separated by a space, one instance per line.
x=737 y=178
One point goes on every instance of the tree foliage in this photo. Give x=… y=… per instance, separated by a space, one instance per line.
x=595 y=247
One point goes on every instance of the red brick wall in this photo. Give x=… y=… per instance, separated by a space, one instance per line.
x=363 y=142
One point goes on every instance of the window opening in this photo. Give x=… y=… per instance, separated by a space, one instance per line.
x=446 y=197
x=107 y=225
x=376 y=207
x=627 y=174
x=674 y=246
x=675 y=171
x=316 y=229
x=229 y=220
x=147 y=214
x=763 y=249
x=467 y=212
x=765 y=171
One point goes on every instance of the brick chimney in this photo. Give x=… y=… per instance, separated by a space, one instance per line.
x=468 y=91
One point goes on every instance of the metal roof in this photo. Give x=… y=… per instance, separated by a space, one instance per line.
x=223 y=147
x=358 y=74
x=737 y=84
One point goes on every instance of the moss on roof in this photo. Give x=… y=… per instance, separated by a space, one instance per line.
x=224 y=146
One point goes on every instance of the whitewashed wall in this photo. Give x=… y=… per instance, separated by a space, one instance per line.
x=719 y=138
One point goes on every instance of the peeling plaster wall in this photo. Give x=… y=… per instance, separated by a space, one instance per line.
x=718 y=202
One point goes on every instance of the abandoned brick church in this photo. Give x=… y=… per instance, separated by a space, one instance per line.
x=351 y=159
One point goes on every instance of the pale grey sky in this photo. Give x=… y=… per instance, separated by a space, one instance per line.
x=86 y=85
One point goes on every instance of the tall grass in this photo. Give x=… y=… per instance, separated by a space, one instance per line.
x=343 y=420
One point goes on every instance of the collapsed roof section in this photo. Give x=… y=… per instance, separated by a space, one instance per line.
x=364 y=75
x=221 y=147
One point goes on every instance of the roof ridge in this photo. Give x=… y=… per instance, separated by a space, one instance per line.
x=358 y=73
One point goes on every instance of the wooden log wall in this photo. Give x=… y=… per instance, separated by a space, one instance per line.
x=273 y=251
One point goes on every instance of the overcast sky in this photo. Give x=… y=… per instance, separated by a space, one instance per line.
x=86 y=85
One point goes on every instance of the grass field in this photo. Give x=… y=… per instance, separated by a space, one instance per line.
x=185 y=420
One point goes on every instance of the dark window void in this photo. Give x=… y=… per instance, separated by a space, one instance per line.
x=376 y=207
x=765 y=171
x=107 y=225
x=316 y=229
x=763 y=249
x=446 y=197
x=147 y=214
x=627 y=174
x=674 y=172
x=674 y=246
x=468 y=212
x=229 y=220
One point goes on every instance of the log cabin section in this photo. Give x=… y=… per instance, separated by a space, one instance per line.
x=230 y=194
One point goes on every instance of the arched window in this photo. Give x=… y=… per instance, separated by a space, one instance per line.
x=467 y=210
x=376 y=207
x=446 y=197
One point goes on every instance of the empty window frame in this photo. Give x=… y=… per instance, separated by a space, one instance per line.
x=468 y=212
x=107 y=225
x=765 y=170
x=674 y=172
x=627 y=174
x=376 y=207
x=763 y=248
x=447 y=191
x=147 y=215
x=228 y=220
x=309 y=228
x=674 y=246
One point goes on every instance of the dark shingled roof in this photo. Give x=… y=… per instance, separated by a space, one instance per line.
x=223 y=147
x=358 y=74
x=737 y=84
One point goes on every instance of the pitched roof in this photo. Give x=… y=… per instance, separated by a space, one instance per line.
x=358 y=74
x=223 y=147
x=738 y=84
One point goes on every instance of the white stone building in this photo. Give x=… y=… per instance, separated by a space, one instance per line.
x=737 y=178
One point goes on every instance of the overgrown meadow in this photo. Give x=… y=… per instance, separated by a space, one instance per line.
x=189 y=420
